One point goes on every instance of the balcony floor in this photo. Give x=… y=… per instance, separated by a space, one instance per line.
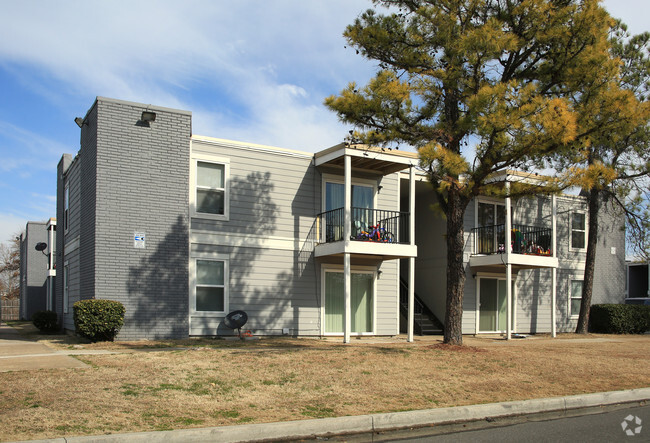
x=384 y=251
x=518 y=261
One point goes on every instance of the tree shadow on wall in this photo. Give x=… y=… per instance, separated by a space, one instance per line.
x=268 y=281
x=158 y=288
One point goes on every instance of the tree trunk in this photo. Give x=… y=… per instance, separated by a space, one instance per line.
x=453 y=333
x=590 y=261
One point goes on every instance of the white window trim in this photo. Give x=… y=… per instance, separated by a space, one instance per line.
x=204 y=158
x=354 y=270
x=586 y=231
x=571 y=280
x=331 y=178
x=66 y=286
x=207 y=256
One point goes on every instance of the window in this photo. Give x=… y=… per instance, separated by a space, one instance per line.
x=490 y=214
x=66 y=207
x=66 y=279
x=578 y=230
x=575 y=297
x=210 y=188
x=491 y=224
x=210 y=294
x=362 y=196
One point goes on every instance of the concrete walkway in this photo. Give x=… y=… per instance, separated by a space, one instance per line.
x=18 y=353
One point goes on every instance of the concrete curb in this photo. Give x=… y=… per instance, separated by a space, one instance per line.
x=370 y=423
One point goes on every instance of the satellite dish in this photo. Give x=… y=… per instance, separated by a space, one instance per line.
x=40 y=246
x=235 y=320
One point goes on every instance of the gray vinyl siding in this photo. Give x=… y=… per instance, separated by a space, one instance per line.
x=533 y=286
x=387 y=298
x=431 y=262
x=470 y=309
x=269 y=285
x=274 y=197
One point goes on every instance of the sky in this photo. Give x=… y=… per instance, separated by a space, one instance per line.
x=249 y=70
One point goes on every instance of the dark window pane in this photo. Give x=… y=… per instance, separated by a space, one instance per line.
x=575 y=306
x=578 y=221
x=577 y=239
x=209 y=299
x=209 y=202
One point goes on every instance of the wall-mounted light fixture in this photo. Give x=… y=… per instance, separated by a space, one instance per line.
x=148 y=116
x=80 y=121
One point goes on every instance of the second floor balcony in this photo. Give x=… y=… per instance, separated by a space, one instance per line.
x=372 y=231
x=530 y=240
x=367 y=225
x=529 y=247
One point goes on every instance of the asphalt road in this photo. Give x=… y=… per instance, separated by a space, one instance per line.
x=597 y=426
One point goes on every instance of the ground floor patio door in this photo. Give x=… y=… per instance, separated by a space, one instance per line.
x=362 y=301
x=493 y=305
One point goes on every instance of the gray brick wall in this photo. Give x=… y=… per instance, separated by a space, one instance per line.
x=62 y=168
x=33 y=271
x=142 y=185
x=129 y=177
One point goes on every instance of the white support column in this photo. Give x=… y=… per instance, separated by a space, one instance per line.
x=347 y=227
x=554 y=270
x=508 y=265
x=347 y=295
x=411 y=303
x=51 y=272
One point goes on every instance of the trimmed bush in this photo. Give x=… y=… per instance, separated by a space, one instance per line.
x=98 y=320
x=45 y=321
x=619 y=319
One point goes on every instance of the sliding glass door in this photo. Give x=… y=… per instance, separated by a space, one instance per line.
x=362 y=302
x=493 y=305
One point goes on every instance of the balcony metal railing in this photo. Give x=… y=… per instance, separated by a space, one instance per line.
x=371 y=225
x=533 y=240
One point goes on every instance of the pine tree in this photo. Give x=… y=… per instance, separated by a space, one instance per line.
x=476 y=86
x=610 y=157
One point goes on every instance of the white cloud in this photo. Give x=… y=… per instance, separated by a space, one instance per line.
x=269 y=64
x=26 y=151
x=10 y=225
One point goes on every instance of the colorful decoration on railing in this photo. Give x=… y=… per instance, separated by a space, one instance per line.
x=523 y=244
x=375 y=234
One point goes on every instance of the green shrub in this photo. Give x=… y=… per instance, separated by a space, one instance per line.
x=619 y=319
x=98 y=320
x=45 y=321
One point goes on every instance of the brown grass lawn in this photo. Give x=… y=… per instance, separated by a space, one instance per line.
x=219 y=382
